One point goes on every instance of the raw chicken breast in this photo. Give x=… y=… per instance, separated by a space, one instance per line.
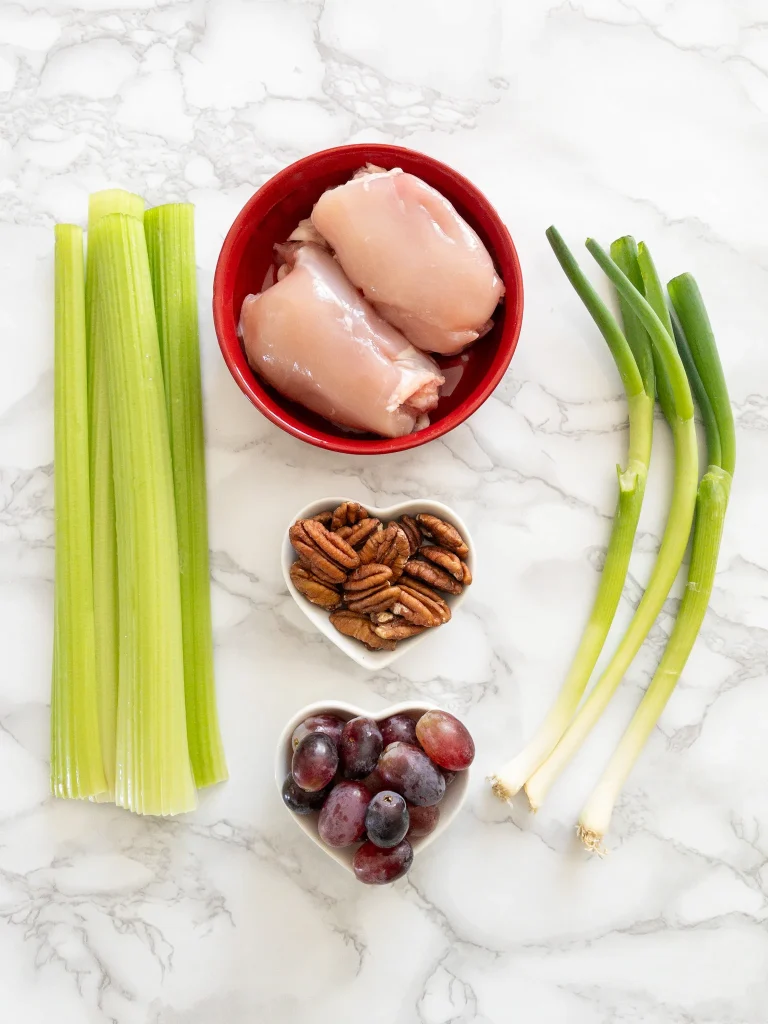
x=411 y=254
x=315 y=338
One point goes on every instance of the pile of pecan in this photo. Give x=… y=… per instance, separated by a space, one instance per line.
x=381 y=582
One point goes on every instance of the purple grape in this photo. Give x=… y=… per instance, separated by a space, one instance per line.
x=398 y=728
x=375 y=866
x=408 y=771
x=342 y=819
x=360 y=747
x=386 y=820
x=445 y=740
x=331 y=725
x=448 y=776
x=423 y=820
x=314 y=762
x=299 y=800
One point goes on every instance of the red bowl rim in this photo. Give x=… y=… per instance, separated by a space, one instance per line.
x=229 y=342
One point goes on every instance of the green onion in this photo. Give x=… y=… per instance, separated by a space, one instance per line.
x=171 y=246
x=632 y=354
x=153 y=769
x=699 y=354
x=104 y=537
x=76 y=764
x=676 y=533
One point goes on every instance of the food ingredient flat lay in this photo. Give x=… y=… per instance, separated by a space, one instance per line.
x=383 y=569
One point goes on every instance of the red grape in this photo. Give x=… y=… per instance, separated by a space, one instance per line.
x=398 y=727
x=360 y=747
x=374 y=782
x=445 y=740
x=386 y=819
x=423 y=820
x=299 y=800
x=408 y=771
x=342 y=819
x=315 y=761
x=375 y=866
x=331 y=725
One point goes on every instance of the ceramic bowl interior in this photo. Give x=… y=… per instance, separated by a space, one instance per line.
x=450 y=805
x=372 y=660
x=246 y=263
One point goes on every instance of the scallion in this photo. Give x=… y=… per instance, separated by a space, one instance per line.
x=632 y=353
x=676 y=533
x=699 y=353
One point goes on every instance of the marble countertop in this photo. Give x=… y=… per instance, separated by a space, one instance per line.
x=606 y=117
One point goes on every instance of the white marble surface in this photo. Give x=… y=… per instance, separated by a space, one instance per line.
x=604 y=116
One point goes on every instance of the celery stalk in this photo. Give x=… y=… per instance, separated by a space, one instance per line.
x=171 y=246
x=153 y=773
x=700 y=358
x=76 y=763
x=632 y=353
x=676 y=533
x=104 y=537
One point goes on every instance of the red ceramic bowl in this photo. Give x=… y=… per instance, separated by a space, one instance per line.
x=270 y=216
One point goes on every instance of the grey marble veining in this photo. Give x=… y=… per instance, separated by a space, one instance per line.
x=604 y=116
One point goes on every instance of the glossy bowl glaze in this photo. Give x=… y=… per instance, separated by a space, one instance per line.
x=450 y=805
x=319 y=616
x=269 y=217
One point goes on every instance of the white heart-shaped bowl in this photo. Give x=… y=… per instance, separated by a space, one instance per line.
x=450 y=805
x=319 y=616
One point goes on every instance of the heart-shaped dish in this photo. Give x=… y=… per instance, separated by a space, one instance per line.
x=319 y=616
x=450 y=805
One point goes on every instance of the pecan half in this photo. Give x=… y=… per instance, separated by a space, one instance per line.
x=379 y=618
x=368 y=577
x=447 y=560
x=347 y=514
x=397 y=629
x=325 y=554
x=442 y=533
x=433 y=575
x=323 y=594
x=411 y=529
x=360 y=628
x=387 y=547
x=358 y=534
x=324 y=518
x=420 y=605
x=379 y=599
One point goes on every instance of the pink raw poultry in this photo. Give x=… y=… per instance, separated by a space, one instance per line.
x=405 y=246
x=314 y=338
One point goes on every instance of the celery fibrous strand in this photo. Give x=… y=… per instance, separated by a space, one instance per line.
x=674 y=541
x=153 y=769
x=171 y=246
x=76 y=762
x=632 y=354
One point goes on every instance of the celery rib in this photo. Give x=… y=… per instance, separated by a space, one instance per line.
x=171 y=247
x=153 y=774
x=635 y=365
x=76 y=761
x=104 y=537
x=676 y=533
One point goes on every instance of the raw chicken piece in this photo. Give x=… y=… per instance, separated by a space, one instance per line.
x=405 y=246
x=315 y=338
